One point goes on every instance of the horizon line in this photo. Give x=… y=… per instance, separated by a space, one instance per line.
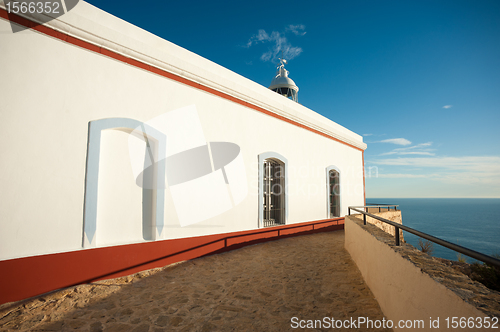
x=433 y=197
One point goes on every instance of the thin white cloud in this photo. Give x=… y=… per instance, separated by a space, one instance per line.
x=419 y=149
x=447 y=106
x=398 y=141
x=374 y=135
x=403 y=153
x=484 y=170
x=279 y=42
x=405 y=176
x=423 y=144
x=486 y=164
x=298 y=29
x=422 y=153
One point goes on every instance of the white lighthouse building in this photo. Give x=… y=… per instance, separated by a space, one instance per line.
x=104 y=177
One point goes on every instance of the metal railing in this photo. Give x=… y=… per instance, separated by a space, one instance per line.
x=380 y=206
x=466 y=251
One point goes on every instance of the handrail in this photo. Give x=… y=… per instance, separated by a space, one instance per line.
x=374 y=205
x=379 y=206
x=383 y=204
x=463 y=250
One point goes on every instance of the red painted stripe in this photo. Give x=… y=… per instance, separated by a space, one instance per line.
x=364 y=186
x=252 y=237
x=297 y=230
x=328 y=224
x=26 y=277
x=89 y=46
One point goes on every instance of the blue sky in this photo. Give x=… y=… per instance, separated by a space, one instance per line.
x=419 y=79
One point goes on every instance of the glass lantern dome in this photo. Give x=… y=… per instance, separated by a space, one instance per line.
x=283 y=84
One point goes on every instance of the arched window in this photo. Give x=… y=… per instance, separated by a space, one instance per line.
x=333 y=192
x=273 y=207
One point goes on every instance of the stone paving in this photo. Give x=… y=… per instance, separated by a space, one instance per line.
x=255 y=288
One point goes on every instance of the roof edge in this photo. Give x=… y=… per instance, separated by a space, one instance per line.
x=84 y=22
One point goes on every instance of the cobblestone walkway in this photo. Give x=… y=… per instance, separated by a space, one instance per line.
x=255 y=288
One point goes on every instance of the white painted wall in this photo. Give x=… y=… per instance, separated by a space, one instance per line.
x=50 y=90
x=119 y=206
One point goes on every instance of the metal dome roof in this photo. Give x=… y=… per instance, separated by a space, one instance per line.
x=283 y=84
x=281 y=80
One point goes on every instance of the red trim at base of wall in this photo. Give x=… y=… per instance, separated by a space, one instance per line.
x=364 y=183
x=26 y=277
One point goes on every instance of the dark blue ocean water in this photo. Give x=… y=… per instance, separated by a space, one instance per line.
x=470 y=222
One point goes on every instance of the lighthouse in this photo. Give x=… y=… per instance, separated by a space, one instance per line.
x=283 y=84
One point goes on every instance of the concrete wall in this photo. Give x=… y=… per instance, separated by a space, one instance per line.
x=406 y=290
x=88 y=65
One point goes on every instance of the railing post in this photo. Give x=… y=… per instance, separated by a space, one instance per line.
x=397 y=236
x=364 y=218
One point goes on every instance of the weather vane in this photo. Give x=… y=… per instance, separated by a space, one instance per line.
x=282 y=60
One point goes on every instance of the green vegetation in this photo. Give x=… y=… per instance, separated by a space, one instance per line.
x=426 y=246
x=461 y=258
x=486 y=274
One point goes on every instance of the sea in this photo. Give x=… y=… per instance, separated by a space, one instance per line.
x=473 y=223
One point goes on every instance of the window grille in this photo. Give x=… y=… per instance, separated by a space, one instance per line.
x=334 y=192
x=287 y=92
x=274 y=193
